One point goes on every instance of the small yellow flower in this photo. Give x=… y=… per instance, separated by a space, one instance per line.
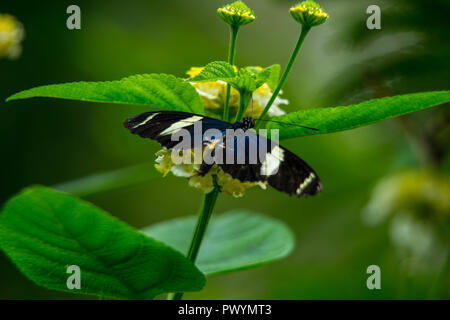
x=163 y=162
x=204 y=183
x=236 y=14
x=11 y=36
x=226 y=183
x=233 y=187
x=213 y=97
x=309 y=14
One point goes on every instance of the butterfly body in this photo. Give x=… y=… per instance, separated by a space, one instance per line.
x=251 y=159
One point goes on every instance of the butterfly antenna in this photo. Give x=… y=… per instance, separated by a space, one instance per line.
x=290 y=124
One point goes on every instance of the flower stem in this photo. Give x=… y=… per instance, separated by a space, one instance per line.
x=243 y=104
x=209 y=202
x=231 y=58
x=294 y=55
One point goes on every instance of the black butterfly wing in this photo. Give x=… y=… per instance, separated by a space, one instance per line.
x=282 y=169
x=161 y=125
x=295 y=177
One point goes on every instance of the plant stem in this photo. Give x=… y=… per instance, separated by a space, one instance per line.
x=231 y=58
x=294 y=55
x=210 y=199
x=243 y=104
x=209 y=202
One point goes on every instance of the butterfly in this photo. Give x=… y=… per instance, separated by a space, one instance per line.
x=277 y=166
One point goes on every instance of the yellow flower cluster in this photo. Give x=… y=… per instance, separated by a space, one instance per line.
x=309 y=13
x=226 y=183
x=11 y=36
x=213 y=97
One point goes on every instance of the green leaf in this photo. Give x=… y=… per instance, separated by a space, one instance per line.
x=269 y=75
x=329 y=120
x=108 y=181
x=234 y=241
x=214 y=71
x=274 y=76
x=44 y=231
x=246 y=82
x=247 y=79
x=163 y=92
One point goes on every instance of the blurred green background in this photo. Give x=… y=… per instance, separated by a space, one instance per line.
x=47 y=142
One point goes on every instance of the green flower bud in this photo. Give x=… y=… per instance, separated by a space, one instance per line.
x=309 y=14
x=236 y=14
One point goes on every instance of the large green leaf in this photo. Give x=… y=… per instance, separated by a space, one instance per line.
x=44 y=231
x=329 y=120
x=161 y=91
x=109 y=181
x=234 y=241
